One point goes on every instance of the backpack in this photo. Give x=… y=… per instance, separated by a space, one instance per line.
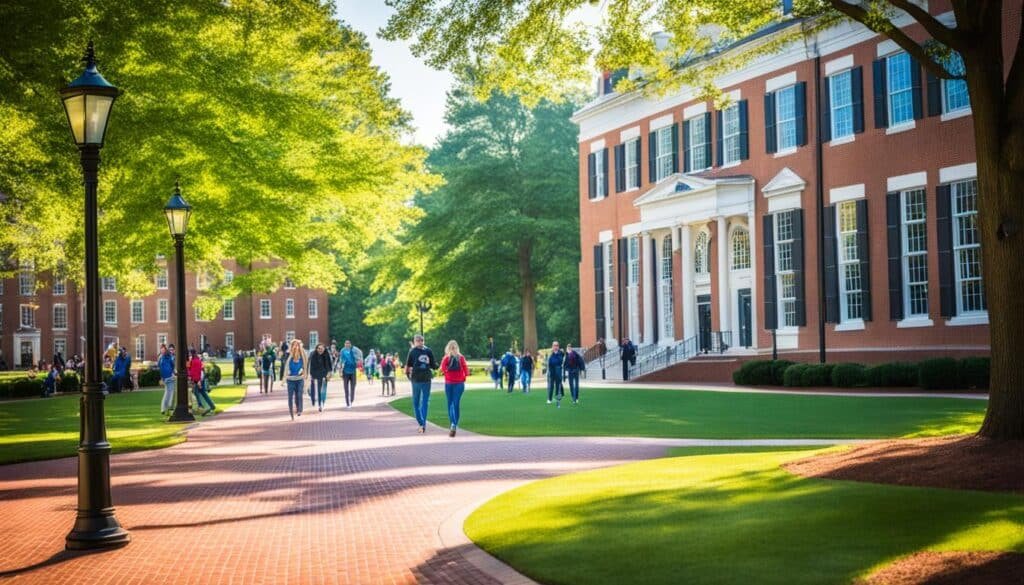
x=454 y=363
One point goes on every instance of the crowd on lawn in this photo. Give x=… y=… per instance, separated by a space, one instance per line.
x=115 y=359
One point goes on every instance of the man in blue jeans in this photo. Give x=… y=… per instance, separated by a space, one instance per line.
x=349 y=364
x=556 y=362
x=419 y=368
x=574 y=364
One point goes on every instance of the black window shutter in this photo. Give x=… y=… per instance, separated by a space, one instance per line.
x=652 y=155
x=881 y=97
x=599 y=290
x=944 y=222
x=639 y=175
x=744 y=130
x=621 y=268
x=826 y=110
x=769 y=123
x=718 y=136
x=934 y=95
x=915 y=84
x=620 y=168
x=831 y=268
x=864 y=254
x=592 y=176
x=604 y=165
x=800 y=100
x=798 y=265
x=895 y=244
x=707 y=139
x=857 y=89
x=771 y=313
x=687 y=146
x=653 y=295
x=675 y=148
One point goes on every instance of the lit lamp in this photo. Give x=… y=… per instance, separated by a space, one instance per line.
x=178 y=213
x=87 y=102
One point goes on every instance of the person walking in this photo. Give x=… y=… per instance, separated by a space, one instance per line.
x=166 y=365
x=319 y=375
x=387 y=376
x=556 y=361
x=496 y=373
x=349 y=363
x=282 y=356
x=627 y=353
x=267 y=374
x=574 y=364
x=196 y=376
x=238 y=376
x=525 y=371
x=508 y=366
x=370 y=366
x=122 y=365
x=419 y=368
x=455 y=373
x=296 y=372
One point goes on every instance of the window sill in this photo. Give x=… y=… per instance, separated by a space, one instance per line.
x=964 y=320
x=265 y=318
x=702 y=278
x=596 y=199
x=842 y=140
x=786 y=152
x=854 y=325
x=227 y=318
x=962 y=113
x=62 y=329
x=739 y=270
x=901 y=127
x=914 y=322
x=637 y=188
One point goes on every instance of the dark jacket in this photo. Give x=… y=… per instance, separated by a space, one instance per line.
x=421 y=364
x=319 y=364
x=628 y=352
x=574 y=362
x=555 y=364
x=526 y=364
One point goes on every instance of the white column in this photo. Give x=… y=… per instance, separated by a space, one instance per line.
x=648 y=286
x=754 y=281
x=689 y=313
x=724 y=294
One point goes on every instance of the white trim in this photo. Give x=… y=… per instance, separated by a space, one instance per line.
x=629 y=134
x=847 y=193
x=786 y=152
x=958 y=173
x=733 y=96
x=972 y=319
x=836 y=65
x=784 y=202
x=887 y=47
x=851 y=325
x=787 y=337
x=597 y=146
x=911 y=322
x=631 y=229
x=661 y=121
x=784 y=191
x=779 y=81
x=905 y=126
x=605 y=236
x=961 y=113
x=842 y=140
x=908 y=181
x=695 y=110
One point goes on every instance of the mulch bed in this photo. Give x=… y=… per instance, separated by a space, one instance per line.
x=963 y=462
x=952 y=568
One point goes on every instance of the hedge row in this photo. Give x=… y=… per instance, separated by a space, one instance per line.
x=931 y=374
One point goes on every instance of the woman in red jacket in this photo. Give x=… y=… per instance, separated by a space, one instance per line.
x=196 y=375
x=455 y=373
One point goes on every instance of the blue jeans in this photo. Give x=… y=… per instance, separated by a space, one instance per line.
x=294 y=396
x=199 y=390
x=318 y=391
x=453 y=392
x=555 y=384
x=574 y=384
x=169 y=385
x=524 y=378
x=420 y=401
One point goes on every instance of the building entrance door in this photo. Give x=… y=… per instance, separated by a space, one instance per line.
x=746 y=328
x=704 y=322
x=27 y=357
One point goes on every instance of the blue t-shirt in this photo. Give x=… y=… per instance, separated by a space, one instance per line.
x=295 y=367
x=348 y=361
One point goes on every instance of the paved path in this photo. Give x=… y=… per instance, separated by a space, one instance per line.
x=344 y=496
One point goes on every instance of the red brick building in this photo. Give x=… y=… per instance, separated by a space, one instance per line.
x=701 y=225
x=40 y=315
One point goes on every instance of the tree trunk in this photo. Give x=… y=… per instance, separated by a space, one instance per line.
x=527 y=292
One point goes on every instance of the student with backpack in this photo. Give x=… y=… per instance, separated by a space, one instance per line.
x=508 y=365
x=526 y=371
x=296 y=372
x=319 y=375
x=556 y=363
x=387 y=376
x=349 y=361
x=267 y=374
x=574 y=364
x=455 y=373
x=419 y=367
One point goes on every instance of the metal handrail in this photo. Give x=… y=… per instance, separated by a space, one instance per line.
x=664 y=357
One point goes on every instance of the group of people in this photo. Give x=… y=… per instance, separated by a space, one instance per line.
x=559 y=365
x=197 y=378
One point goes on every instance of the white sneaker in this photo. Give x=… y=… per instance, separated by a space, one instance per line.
x=549 y=402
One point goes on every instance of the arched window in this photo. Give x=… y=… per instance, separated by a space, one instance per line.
x=702 y=254
x=740 y=249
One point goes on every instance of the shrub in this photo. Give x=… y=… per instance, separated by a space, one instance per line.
x=893 y=374
x=937 y=374
x=779 y=370
x=761 y=373
x=69 y=382
x=149 y=377
x=793 y=375
x=973 y=372
x=212 y=373
x=21 y=388
x=816 y=375
x=849 y=375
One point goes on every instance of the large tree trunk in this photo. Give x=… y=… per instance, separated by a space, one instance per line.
x=528 y=290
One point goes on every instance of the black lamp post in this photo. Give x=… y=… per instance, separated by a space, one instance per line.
x=87 y=102
x=423 y=307
x=178 y=213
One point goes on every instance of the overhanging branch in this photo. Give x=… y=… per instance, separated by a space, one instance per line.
x=940 y=32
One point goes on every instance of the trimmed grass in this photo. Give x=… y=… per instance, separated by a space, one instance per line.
x=31 y=430
x=730 y=518
x=706 y=415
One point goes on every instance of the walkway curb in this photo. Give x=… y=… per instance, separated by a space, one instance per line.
x=453 y=536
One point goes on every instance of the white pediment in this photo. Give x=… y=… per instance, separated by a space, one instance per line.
x=682 y=199
x=784 y=183
x=681 y=185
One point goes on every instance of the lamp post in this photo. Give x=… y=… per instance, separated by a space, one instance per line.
x=87 y=101
x=178 y=213
x=423 y=307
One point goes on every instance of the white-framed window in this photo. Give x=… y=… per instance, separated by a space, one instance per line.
x=663 y=164
x=609 y=287
x=784 y=273
x=110 y=312
x=161 y=279
x=162 y=310
x=312 y=308
x=314 y=339
x=28 y=316
x=264 y=308
x=702 y=254
x=203 y=280
x=667 y=300
x=740 y=249
x=137 y=311
x=60 y=286
x=229 y=310
x=60 y=345
x=731 y=134
x=785 y=118
x=698 y=154
x=140 y=347
x=289 y=308
x=634 y=261
x=970 y=288
x=632 y=164
x=840 y=90
x=60 y=316
x=196 y=315
x=109 y=284
x=850 y=298
x=599 y=175
x=289 y=283
x=289 y=336
x=161 y=339
x=915 y=253
x=633 y=285
x=229 y=277
x=955 y=97
x=229 y=340
x=26 y=283
x=900 y=89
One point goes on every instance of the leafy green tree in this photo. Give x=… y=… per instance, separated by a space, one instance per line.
x=531 y=47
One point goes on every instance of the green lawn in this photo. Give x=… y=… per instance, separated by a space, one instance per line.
x=48 y=429
x=711 y=415
x=730 y=518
